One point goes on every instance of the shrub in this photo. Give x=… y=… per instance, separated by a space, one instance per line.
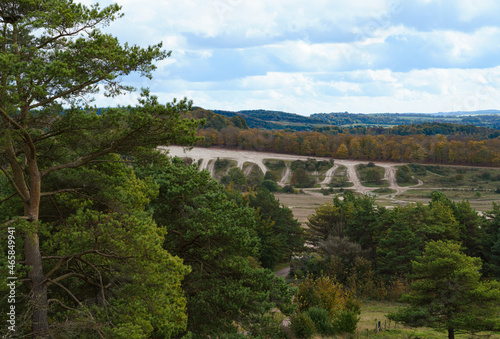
x=275 y=165
x=270 y=176
x=271 y=186
x=346 y=321
x=322 y=292
x=288 y=189
x=485 y=176
x=404 y=175
x=222 y=163
x=321 y=320
x=301 y=179
x=302 y=326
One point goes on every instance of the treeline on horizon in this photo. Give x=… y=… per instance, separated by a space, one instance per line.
x=443 y=143
x=282 y=120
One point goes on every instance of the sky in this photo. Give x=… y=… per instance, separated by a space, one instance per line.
x=318 y=56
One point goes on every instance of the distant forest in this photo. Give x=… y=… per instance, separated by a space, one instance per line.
x=281 y=120
x=425 y=142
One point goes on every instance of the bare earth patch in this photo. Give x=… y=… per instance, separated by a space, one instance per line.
x=304 y=204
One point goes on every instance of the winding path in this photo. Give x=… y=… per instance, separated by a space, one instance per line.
x=209 y=155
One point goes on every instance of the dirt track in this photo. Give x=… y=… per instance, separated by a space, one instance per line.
x=209 y=155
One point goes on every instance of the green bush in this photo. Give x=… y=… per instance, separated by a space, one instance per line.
x=301 y=179
x=221 y=164
x=270 y=176
x=321 y=320
x=288 y=189
x=271 y=186
x=275 y=165
x=302 y=326
x=346 y=321
x=404 y=174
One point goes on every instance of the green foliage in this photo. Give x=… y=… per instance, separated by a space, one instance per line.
x=301 y=179
x=270 y=185
x=447 y=292
x=108 y=273
x=148 y=298
x=236 y=178
x=222 y=163
x=255 y=177
x=239 y=122
x=321 y=320
x=397 y=249
x=371 y=174
x=302 y=325
x=275 y=164
x=270 y=176
x=214 y=236
x=280 y=234
x=330 y=219
x=288 y=189
x=404 y=175
x=323 y=293
x=367 y=224
x=346 y=321
x=491 y=243
x=96 y=261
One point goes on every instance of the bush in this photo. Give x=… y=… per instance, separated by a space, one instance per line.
x=271 y=186
x=346 y=321
x=270 y=176
x=485 y=176
x=373 y=176
x=322 y=292
x=275 y=165
x=301 y=179
x=321 y=320
x=222 y=163
x=302 y=326
x=288 y=189
x=404 y=175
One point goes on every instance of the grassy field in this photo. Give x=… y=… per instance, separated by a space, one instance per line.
x=454 y=177
x=374 y=311
x=302 y=205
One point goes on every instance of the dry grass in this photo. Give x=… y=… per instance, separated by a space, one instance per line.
x=302 y=205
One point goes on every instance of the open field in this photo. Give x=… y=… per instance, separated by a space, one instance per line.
x=375 y=311
x=477 y=185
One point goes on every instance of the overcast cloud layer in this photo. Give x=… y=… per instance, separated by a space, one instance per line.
x=319 y=55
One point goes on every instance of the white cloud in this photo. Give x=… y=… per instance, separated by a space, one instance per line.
x=471 y=9
x=319 y=55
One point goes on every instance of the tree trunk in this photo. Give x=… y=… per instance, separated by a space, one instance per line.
x=38 y=296
x=40 y=322
x=451 y=333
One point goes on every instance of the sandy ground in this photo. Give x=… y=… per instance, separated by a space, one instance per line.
x=208 y=155
x=302 y=205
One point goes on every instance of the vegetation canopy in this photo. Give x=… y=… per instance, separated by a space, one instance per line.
x=53 y=53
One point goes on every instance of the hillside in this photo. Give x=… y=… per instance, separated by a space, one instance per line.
x=266 y=119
